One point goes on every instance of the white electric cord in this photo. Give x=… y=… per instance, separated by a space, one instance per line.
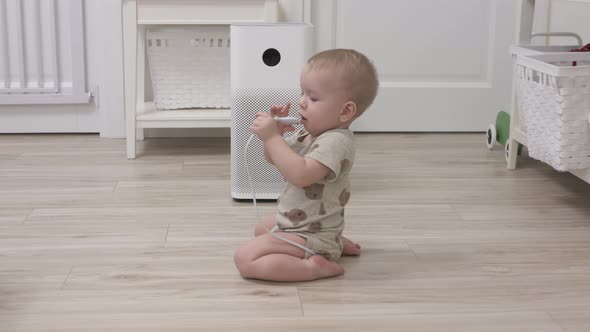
x=259 y=218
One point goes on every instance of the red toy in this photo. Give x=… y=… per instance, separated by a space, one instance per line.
x=581 y=49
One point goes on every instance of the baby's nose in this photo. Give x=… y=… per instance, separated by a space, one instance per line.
x=301 y=102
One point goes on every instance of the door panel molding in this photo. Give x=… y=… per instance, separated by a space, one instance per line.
x=459 y=89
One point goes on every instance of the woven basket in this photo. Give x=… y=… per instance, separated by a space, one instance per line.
x=189 y=66
x=554 y=107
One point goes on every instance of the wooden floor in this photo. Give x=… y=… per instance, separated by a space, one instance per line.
x=452 y=241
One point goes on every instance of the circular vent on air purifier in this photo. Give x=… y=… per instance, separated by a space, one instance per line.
x=271 y=57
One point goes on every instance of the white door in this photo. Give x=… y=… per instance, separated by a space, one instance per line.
x=443 y=65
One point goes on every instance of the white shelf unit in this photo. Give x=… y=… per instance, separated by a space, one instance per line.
x=137 y=14
x=524 y=34
x=150 y=117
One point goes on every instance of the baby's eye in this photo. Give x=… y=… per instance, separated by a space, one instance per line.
x=313 y=99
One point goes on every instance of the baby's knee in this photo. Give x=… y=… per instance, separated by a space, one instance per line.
x=259 y=229
x=243 y=262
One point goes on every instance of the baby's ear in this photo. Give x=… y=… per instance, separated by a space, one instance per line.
x=348 y=111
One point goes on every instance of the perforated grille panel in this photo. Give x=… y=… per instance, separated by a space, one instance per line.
x=266 y=179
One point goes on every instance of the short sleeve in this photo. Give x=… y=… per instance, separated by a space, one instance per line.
x=334 y=150
x=291 y=139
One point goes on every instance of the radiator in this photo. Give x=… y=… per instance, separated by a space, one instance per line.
x=42 y=59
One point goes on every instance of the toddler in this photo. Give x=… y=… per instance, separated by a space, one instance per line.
x=337 y=86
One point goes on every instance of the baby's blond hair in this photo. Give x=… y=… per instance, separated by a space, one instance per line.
x=358 y=73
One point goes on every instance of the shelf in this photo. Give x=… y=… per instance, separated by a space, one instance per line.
x=139 y=13
x=150 y=117
x=204 y=12
x=192 y=22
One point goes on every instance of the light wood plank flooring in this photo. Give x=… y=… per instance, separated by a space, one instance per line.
x=452 y=241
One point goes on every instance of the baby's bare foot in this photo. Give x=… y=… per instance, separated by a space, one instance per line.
x=323 y=268
x=350 y=248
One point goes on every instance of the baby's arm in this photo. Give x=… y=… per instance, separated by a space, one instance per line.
x=297 y=170
x=280 y=111
x=267 y=157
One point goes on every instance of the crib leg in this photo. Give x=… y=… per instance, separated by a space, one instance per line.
x=511 y=153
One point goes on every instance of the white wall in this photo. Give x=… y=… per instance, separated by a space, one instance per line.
x=104 y=78
x=571 y=16
x=110 y=65
x=105 y=70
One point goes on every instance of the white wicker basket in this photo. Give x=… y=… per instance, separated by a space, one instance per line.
x=189 y=66
x=554 y=107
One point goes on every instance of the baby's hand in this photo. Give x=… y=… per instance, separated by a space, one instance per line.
x=264 y=126
x=281 y=111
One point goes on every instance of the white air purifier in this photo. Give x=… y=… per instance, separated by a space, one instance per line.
x=266 y=61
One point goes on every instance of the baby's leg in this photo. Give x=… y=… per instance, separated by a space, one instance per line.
x=267 y=258
x=350 y=248
x=265 y=225
x=268 y=222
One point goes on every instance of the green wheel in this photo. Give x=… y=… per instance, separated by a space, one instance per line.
x=502 y=127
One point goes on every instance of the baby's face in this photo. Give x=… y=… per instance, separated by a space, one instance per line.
x=322 y=99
